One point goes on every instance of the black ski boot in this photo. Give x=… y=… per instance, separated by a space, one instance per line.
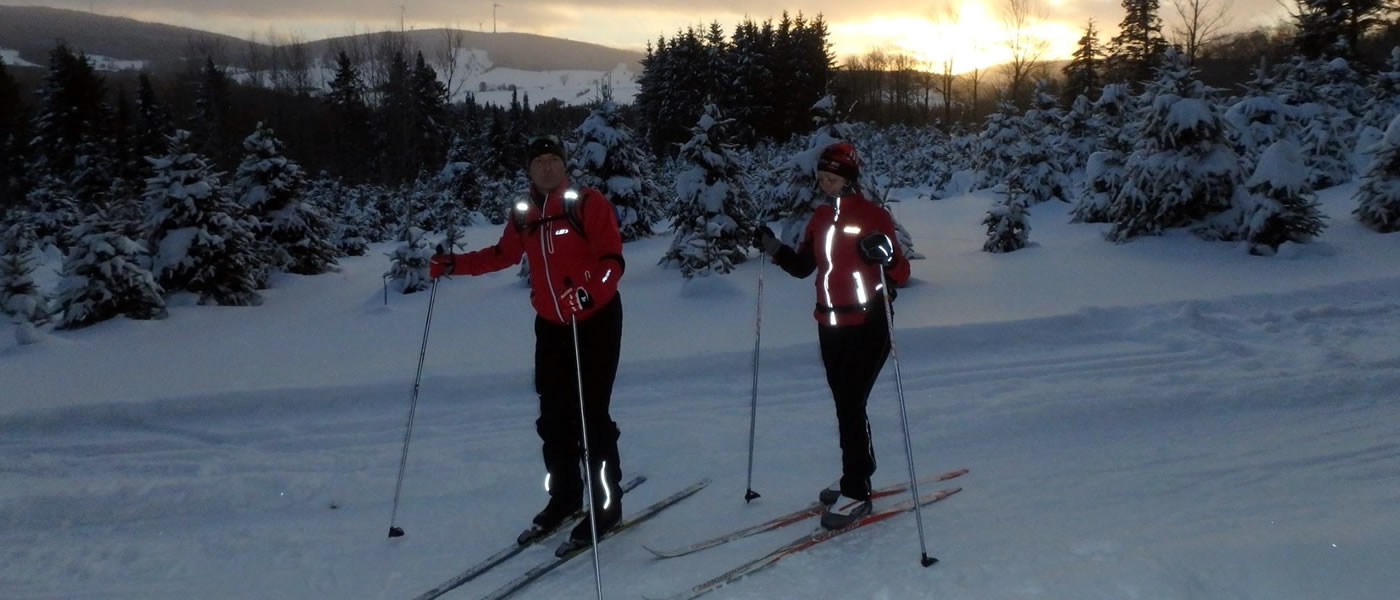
x=607 y=500
x=554 y=514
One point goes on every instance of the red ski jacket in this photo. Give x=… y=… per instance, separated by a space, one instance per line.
x=847 y=286
x=561 y=256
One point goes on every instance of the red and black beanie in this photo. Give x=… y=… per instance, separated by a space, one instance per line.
x=840 y=159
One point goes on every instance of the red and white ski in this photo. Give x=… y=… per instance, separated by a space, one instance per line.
x=800 y=544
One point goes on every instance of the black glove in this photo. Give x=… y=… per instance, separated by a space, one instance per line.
x=764 y=239
x=876 y=249
x=441 y=263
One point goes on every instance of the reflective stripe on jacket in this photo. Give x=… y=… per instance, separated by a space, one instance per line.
x=847 y=286
x=560 y=256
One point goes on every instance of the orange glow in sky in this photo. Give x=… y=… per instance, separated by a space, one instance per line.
x=975 y=38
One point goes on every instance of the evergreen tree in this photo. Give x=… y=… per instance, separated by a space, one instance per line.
x=13 y=141
x=292 y=233
x=1182 y=169
x=1082 y=72
x=1326 y=147
x=20 y=298
x=153 y=122
x=1039 y=161
x=431 y=118
x=198 y=242
x=711 y=214
x=1258 y=120
x=1334 y=28
x=105 y=275
x=1280 y=206
x=1008 y=227
x=71 y=144
x=1133 y=54
x=212 y=122
x=459 y=183
x=750 y=82
x=1078 y=136
x=1378 y=197
x=609 y=159
x=1104 y=169
x=1000 y=133
x=350 y=135
x=1383 y=94
x=408 y=263
x=393 y=122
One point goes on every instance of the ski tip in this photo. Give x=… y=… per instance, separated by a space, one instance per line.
x=395 y=532
x=656 y=553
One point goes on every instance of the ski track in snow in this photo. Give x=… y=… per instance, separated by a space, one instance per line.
x=1069 y=424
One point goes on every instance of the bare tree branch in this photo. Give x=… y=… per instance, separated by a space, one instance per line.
x=1026 y=47
x=1202 y=24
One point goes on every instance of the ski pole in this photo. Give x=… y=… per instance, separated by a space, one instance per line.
x=924 y=559
x=750 y=495
x=395 y=531
x=587 y=464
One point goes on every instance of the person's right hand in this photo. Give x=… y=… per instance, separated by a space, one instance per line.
x=441 y=264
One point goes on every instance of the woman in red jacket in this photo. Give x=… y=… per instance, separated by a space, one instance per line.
x=846 y=242
x=571 y=238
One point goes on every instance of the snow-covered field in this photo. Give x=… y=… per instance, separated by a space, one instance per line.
x=11 y=57
x=1165 y=419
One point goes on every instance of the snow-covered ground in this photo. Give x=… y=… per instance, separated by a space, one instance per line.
x=1168 y=418
x=11 y=57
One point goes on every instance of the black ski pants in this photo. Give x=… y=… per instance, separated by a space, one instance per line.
x=853 y=356
x=556 y=382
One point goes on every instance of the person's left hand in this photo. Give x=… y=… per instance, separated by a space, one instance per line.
x=876 y=249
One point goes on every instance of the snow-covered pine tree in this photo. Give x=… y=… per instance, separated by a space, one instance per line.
x=292 y=234
x=1259 y=119
x=1326 y=145
x=1378 y=198
x=20 y=298
x=342 y=205
x=712 y=213
x=71 y=144
x=1324 y=98
x=198 y=241
x=1038 y=163
x=1383 y=94
x=408 y=263
x=1008 y=224
x=52 y=212
x=105 y=275
x=457 y=191
x=611 y=159
x=992 y=159
x=1279 y=206
x=1104 y=167
x=1182 y=169
x=1078 y=137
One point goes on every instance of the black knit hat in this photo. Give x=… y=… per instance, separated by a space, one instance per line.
x=543 y=144
x=840 y=158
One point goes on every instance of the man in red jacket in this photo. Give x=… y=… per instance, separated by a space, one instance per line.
x=847 y=242
x=570 y=237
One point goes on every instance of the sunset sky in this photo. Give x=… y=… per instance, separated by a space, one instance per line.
x=975 y=36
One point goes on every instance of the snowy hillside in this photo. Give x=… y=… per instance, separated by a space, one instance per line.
x=1166 y=418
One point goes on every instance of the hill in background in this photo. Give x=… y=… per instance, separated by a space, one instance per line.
x=32 y=31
